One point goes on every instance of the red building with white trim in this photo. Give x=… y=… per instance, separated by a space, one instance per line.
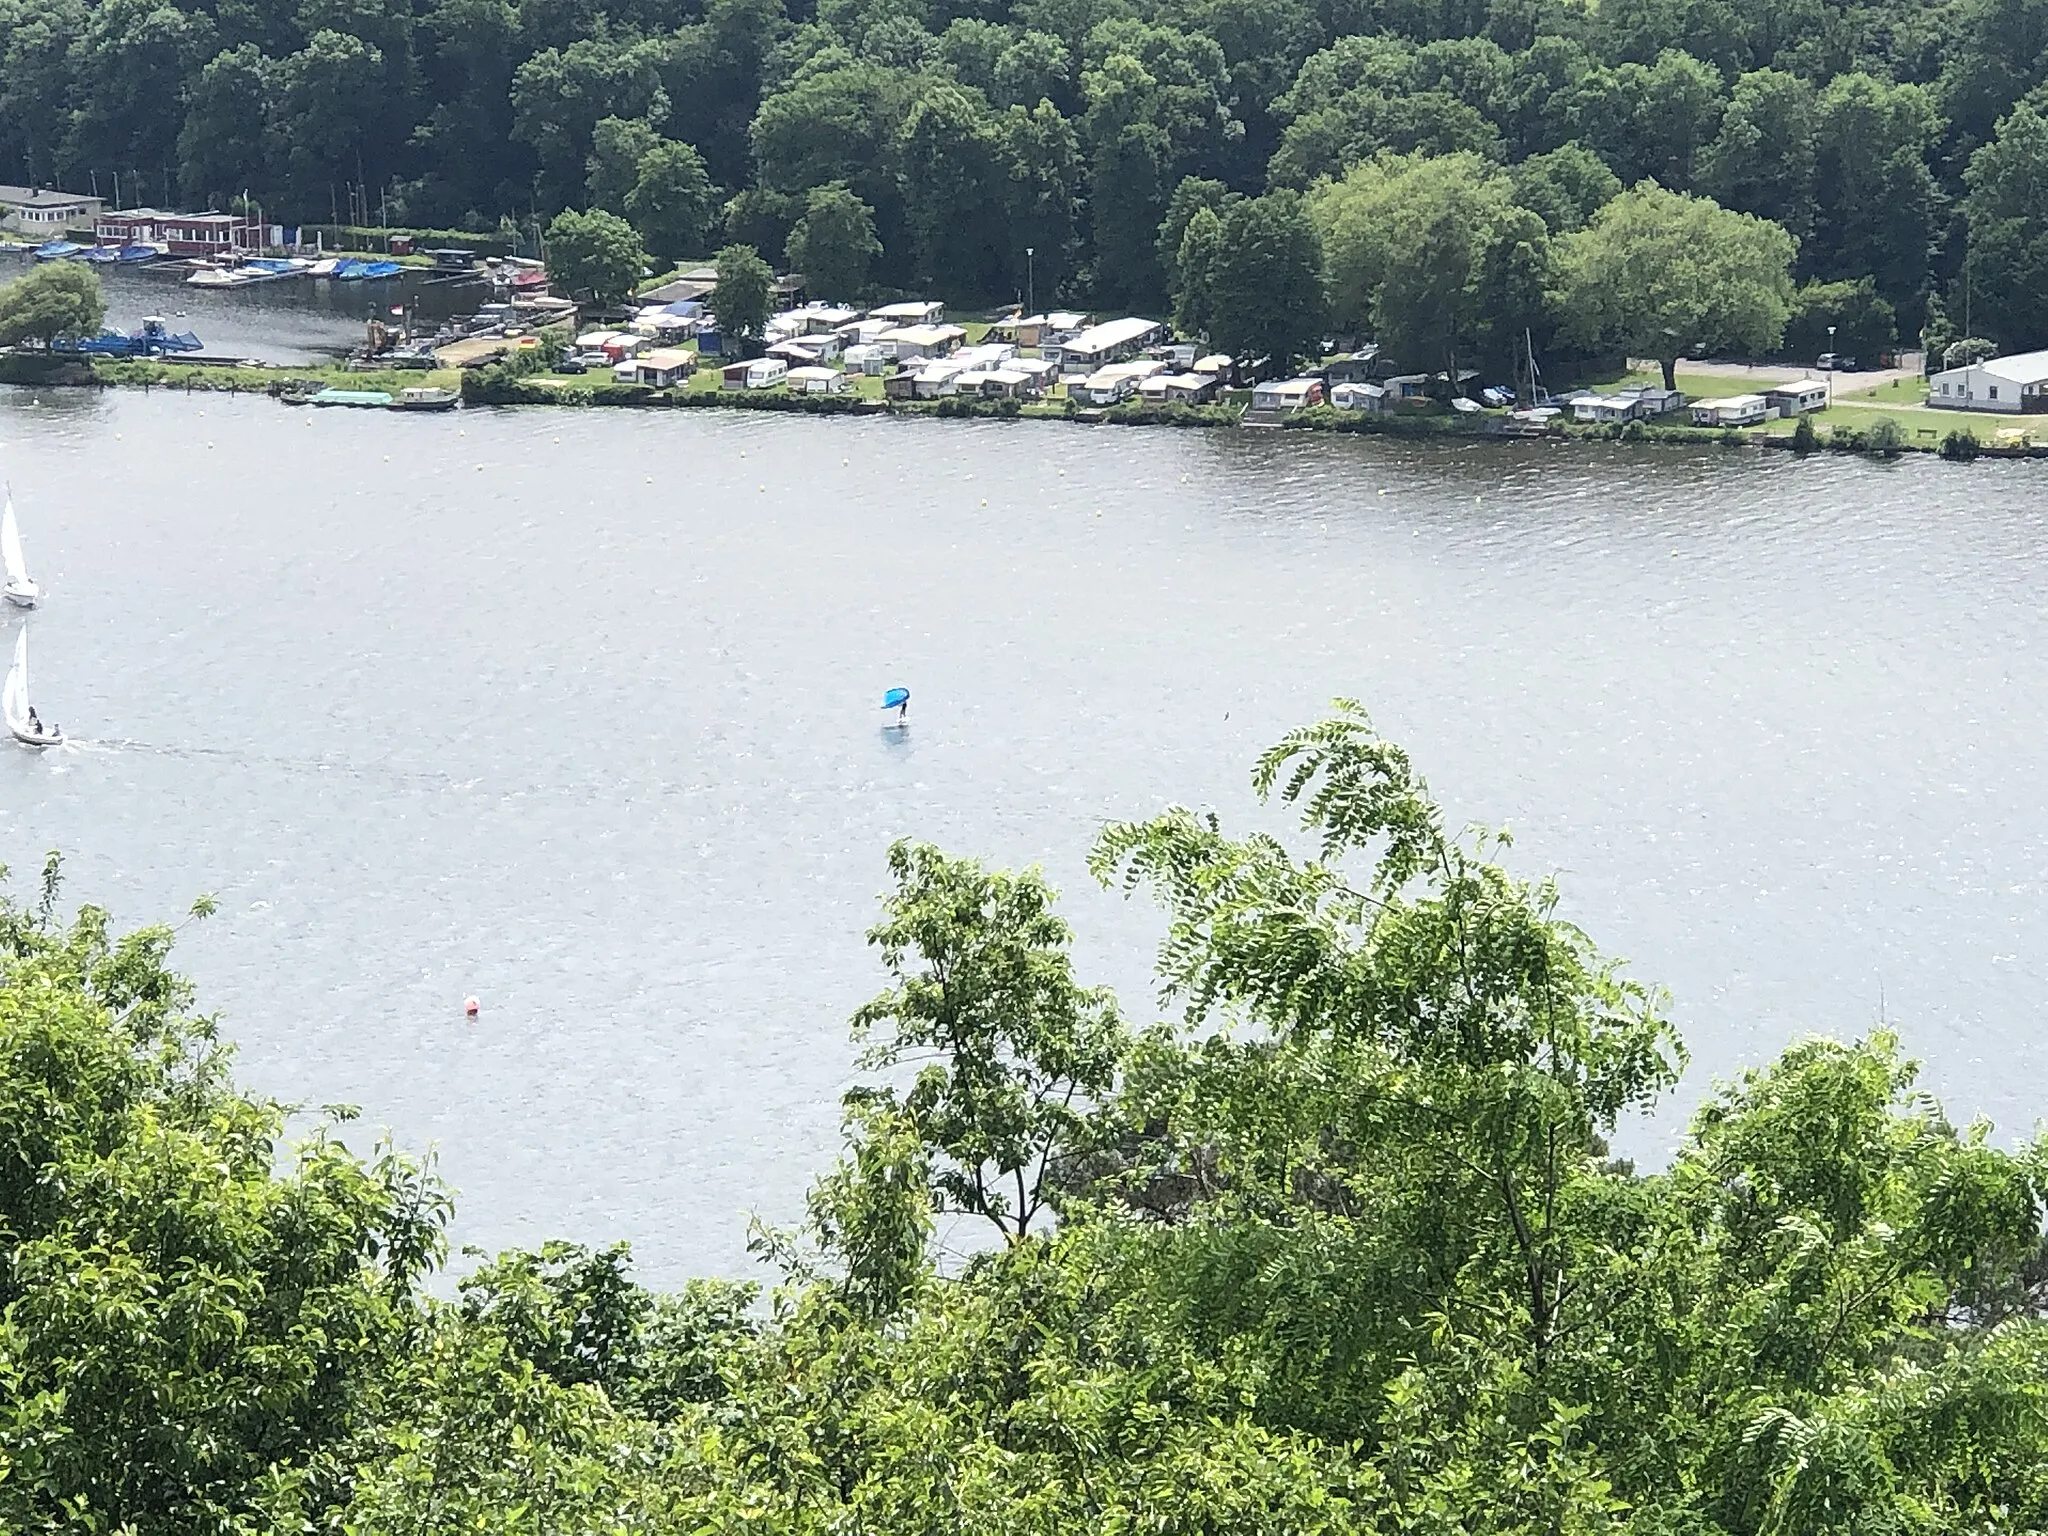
x=185 y=234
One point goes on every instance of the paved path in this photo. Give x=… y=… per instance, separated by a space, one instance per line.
x=1778 y=373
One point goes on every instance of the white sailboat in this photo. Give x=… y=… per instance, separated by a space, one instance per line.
x=20 y=590
x=22 y=723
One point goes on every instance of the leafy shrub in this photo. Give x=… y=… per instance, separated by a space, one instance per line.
x=1971 y=349
x=1960 y=446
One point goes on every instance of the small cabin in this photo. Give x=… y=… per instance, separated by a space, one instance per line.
x=664 y=366
x=1734 y=411
x=1288 y=395
x=1357 y=395
x=1797 y=397
x=816 y=379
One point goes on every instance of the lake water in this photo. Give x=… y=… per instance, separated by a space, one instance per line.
x=300 y=320
x=576 y=712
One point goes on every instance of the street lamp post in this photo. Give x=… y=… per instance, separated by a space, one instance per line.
x=1831 y=366
x=1030 y=280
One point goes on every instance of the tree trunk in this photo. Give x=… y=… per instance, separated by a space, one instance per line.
x=1670 y=372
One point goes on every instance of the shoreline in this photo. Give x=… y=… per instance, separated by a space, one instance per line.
x=480 y=389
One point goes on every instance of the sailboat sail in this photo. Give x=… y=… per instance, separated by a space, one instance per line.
x=10 y=549
x=14 y=697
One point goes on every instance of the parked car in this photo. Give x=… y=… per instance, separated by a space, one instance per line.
x=1836 y=362
x=571 y=364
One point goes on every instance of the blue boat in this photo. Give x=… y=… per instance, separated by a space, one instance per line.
x=356 y=270
x=57 y=250
x=154 y=339
x=133 y=253
x=100 y=255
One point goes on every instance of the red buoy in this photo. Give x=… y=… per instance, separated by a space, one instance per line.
x=469 y=1006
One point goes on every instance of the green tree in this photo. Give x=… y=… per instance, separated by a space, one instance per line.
x=1195 y=271
x=1658 y=273
x=197 y=1321
x=223 y=145
x=951 y=156
x=617 y=146
x=1763 y=159
x=743 y=298
x=559 y=96
x=328 y=96
x=1840 y=317
x=1435 y=258
x=1265 y=283
x=134 y=64
x=1041 y=159
x=1194 y=194
x=58 y=302
x=1564 y=187
x=595 y=253
x=1015 y=1050
x=834 y=243
x=672 y=202
x=1876 y=196
x=2007 y=220
x=36 y=82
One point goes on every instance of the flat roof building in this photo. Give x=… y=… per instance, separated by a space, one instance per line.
x=2010 y=385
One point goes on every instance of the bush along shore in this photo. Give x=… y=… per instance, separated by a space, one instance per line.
x=526 y=381
x=1339 y=1247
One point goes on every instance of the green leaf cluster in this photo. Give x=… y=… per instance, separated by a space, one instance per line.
x=1340 y=1247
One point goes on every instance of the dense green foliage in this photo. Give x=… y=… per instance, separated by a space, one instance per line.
x=595 y=255
x=1899 y=141
x=1340 y=1249
x=59 y=302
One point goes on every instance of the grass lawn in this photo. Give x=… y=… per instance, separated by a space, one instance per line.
x=1901 y=401
x=1904 y=401
x=170 y=375
x=1898 y=392
x=1697 y=386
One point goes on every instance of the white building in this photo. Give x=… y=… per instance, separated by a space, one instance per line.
x=1288 y=395
x=816 y=381
x=1117 y=381
x=910 y=341
x=2008 y=385
x=916 y=312
x=1734 y=411
x=1797 y=397
x=41 y=212
x=1110 y=342
x=1598 y=408
x=1355 y=395
x=663 y=367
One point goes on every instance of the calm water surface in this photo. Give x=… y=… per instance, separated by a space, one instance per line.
x=301 y=320
x=575 y=712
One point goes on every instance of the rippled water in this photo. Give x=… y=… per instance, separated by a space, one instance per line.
x=575 y=711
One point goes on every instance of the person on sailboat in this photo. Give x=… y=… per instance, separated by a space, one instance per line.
x=33 y=723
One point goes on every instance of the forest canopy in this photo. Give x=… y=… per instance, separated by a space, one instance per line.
x=1342 y=1247
x=985 y=148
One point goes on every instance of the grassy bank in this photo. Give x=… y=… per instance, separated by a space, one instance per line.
x=1853 y=424
x=195 y=378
